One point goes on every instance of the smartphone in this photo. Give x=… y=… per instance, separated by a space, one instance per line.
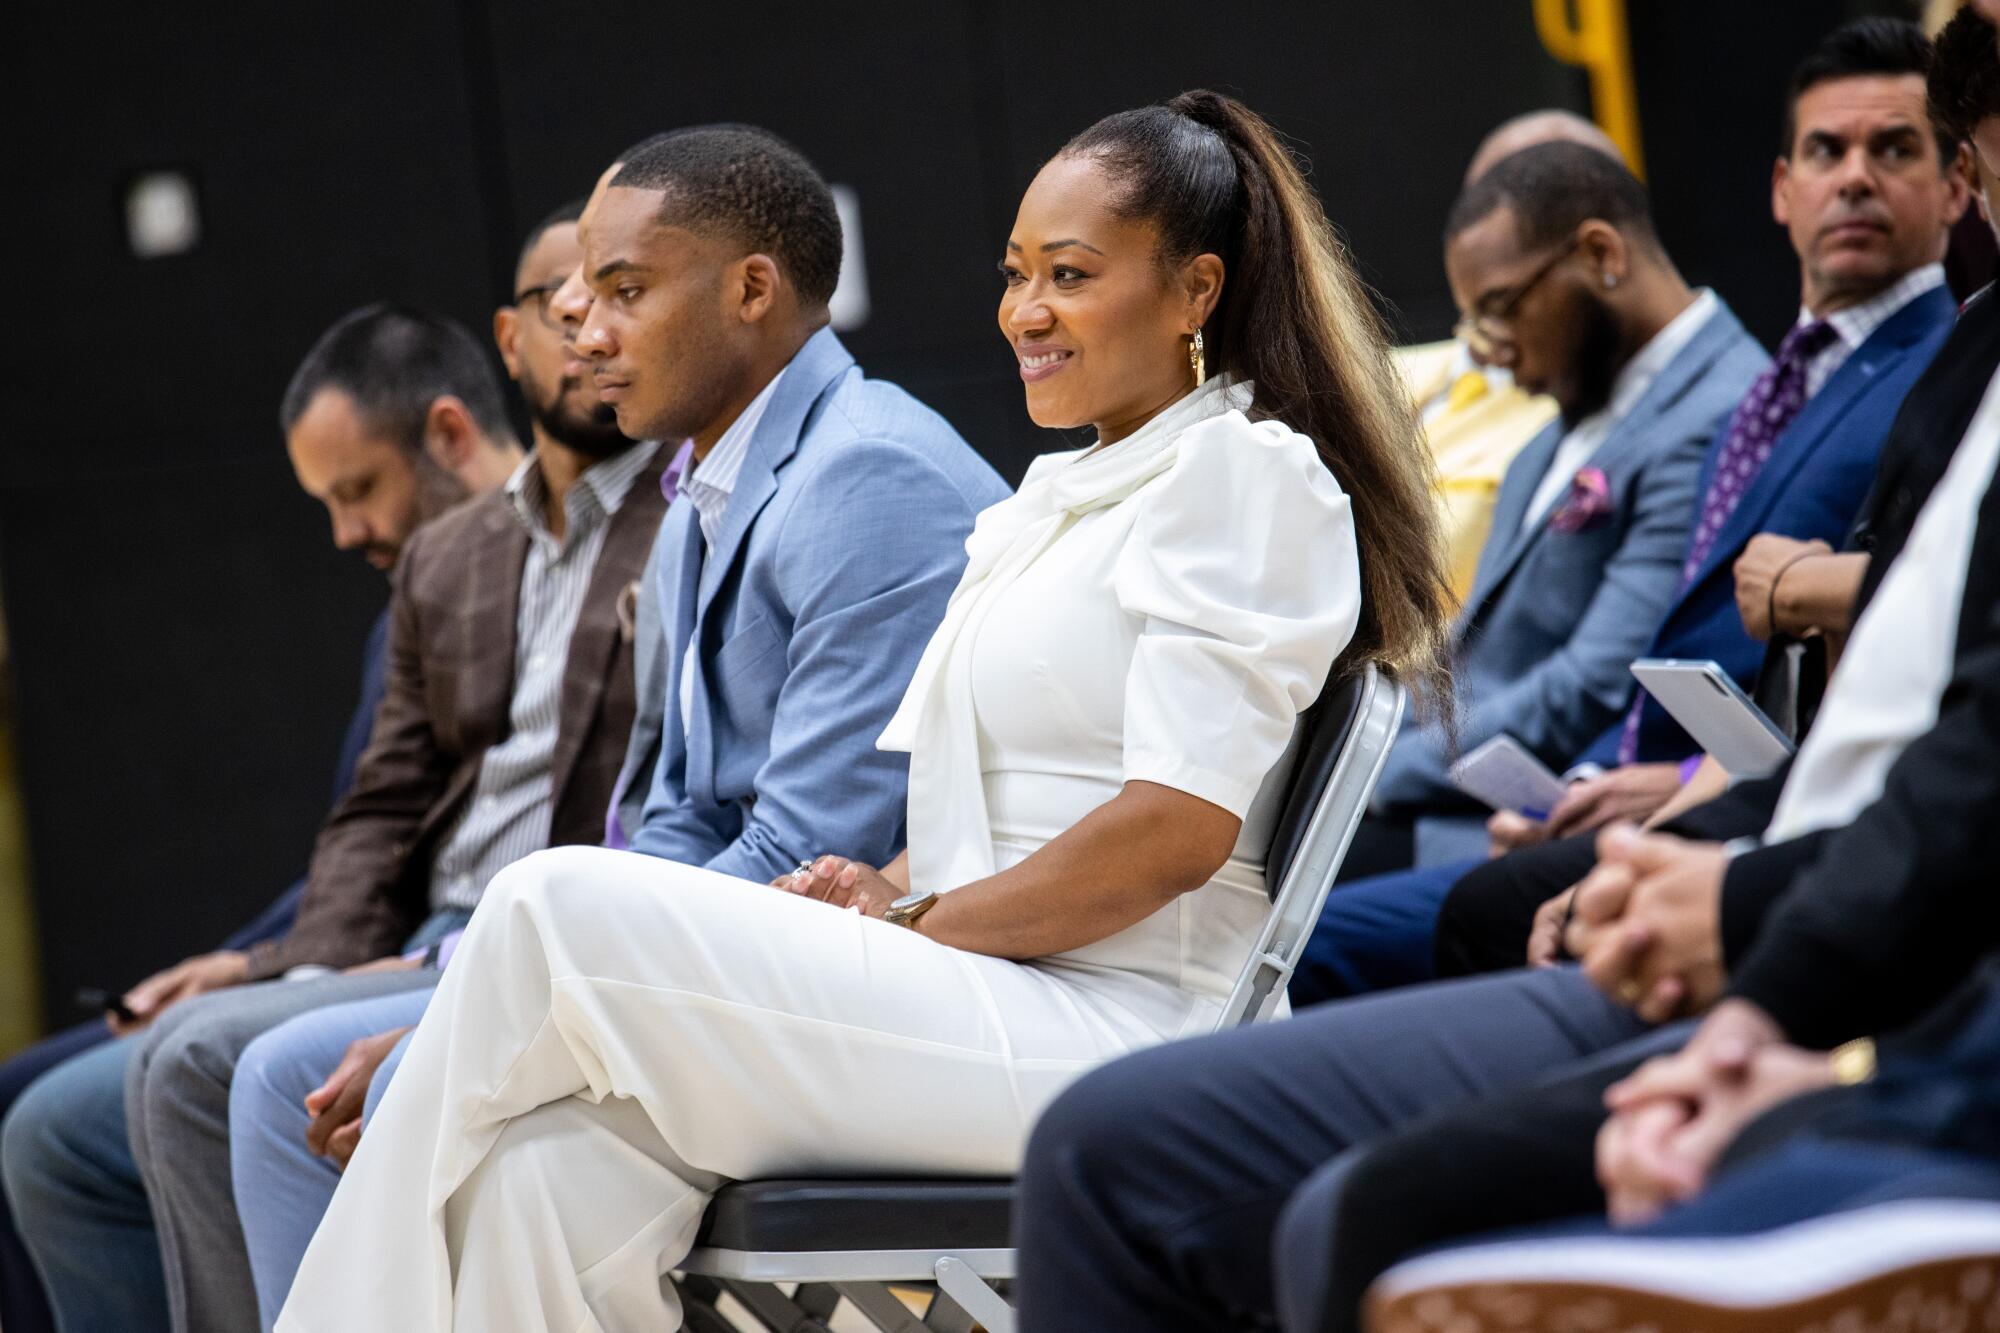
x=105 y=1002
x=1719 y=715
x=1505 y=776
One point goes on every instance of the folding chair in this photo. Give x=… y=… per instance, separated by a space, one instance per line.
x=949 y=1238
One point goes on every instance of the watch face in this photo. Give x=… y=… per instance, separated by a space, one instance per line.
x=907 y=901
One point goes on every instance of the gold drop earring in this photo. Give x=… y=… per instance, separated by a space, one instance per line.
x=1195 y=360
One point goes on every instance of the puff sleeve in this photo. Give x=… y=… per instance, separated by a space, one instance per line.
x=1243 y=568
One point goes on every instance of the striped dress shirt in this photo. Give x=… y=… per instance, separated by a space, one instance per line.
x=507 y=813
x=708 y=488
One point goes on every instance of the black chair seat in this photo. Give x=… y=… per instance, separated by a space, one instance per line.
x=766 y=1216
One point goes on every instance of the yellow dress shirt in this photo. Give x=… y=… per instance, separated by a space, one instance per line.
x=1474 y=427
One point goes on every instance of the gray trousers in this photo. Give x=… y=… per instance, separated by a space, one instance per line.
x=177 y=1113
x=1152 y=1189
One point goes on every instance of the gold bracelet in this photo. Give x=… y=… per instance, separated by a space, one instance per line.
x=1853 y=1062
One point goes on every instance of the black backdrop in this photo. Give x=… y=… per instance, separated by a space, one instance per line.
x=184 y=639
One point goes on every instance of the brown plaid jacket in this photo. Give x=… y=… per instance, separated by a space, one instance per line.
x=449 y=683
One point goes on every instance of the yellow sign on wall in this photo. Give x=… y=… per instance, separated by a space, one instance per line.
x=1592 y=34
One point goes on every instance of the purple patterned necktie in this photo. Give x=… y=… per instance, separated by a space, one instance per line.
x=1754 y=428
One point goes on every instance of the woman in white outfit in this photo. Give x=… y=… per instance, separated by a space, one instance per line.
x=1098 y=736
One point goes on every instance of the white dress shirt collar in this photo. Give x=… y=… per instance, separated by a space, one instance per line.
x=595 y=495
x=1857 y=323
x=713 y=480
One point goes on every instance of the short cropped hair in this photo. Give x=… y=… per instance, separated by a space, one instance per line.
x=1554 y=188
x=751 y=185
x=1865 y=47
x=1964 y=85
x=394 y=362
x=565 y=213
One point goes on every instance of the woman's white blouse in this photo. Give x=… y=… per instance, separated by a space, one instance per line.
x=1158 y=610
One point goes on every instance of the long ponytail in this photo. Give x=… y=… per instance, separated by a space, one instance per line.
x=1295 y=319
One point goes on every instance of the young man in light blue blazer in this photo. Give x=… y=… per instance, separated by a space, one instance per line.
x=816 y=531
x=1553 y=256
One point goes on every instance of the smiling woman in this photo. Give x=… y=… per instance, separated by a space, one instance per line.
x=1179 y=240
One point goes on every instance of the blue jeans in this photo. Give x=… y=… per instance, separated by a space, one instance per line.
x=78 y=1198
x=282 y=1189
x=1375 y=934
x=76 y=1173
x=23 y=1306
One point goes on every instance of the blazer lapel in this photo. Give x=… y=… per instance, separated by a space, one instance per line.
x=817 y=364
x=598 y=637
x=1633 y=431
x=689 y=743
x=1818 y=419
x=1507 y=539
x=492 y=613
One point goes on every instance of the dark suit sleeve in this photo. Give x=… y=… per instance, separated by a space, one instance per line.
x=1755 y=883
x=1937 y=1084
x=374 y=671
x=1899 y=904
x=351 y=912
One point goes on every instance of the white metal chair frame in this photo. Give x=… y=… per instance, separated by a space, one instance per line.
x=962 y=1282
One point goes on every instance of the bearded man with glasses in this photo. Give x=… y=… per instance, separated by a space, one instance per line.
x=1553 y=259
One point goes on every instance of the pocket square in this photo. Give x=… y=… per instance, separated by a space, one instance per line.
x=1588 y=504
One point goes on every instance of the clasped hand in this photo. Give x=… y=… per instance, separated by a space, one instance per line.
x=336 y=1104
x=1673 y=1118
x=841 y=882
x=1646 y=923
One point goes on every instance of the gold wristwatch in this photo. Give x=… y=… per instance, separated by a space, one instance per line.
x=906 y=909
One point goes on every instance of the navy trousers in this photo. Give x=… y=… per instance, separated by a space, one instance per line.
x=1375 y=934
x=1152 y=1188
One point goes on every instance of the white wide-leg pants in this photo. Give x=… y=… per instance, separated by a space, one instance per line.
x=618 y=1035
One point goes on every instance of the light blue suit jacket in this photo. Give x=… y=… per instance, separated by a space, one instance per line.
x=840 y=545
x=1548 y=633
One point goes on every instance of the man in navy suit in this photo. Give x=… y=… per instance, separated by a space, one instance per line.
x=1872 y=317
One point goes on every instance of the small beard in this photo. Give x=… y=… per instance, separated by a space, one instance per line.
x=1597 y=362
x=595 y=436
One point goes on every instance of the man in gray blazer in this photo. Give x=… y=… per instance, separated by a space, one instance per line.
x=1553 y=257
x=816 y=531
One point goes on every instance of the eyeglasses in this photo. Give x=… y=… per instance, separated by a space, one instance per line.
x=1488 y=335
x=541 y=296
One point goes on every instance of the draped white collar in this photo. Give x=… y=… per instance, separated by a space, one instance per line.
x=950 y=836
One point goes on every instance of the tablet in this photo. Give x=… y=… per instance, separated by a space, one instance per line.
x=1720 y=717
x=1505 y=776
